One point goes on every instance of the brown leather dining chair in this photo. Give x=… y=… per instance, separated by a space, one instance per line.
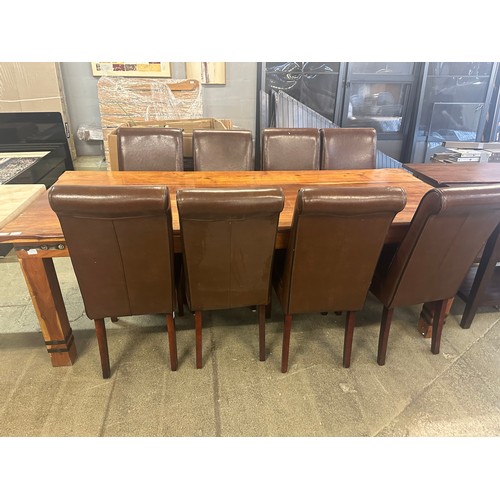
x=447 y=232
x=121 y=247
x=222 y=149
x=336 y=237
x=348 y=148
x=291 y=149
x=150 y=148
x=228 y=240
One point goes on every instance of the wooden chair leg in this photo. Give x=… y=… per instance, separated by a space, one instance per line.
x=199 y=343
x=100 y=331
x=437 y=325
x=172 y=342
x=286 y=342
x=262 y=332
x=385 y=326
x=350 y=322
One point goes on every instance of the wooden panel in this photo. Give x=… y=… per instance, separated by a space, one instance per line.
x=439 y=174
x=15 y=198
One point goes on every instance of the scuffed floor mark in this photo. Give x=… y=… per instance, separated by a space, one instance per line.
x=347 y=388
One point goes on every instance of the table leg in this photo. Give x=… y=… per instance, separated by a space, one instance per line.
x=427 y=316
x=41 y=278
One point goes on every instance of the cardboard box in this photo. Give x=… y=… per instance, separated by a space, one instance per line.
x=34 y=87
x=187 y=125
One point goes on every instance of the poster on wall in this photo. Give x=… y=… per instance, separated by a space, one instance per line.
x=208 y=73
x=161 y=69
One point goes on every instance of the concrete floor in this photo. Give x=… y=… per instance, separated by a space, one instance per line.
x=455 y=393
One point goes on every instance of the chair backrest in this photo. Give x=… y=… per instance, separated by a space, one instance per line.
x=291 y=149
x=348 y=148
x=228 y=245
x=121 y=247
x=222 y=150
x=335 y=240
x=149 y=148
x=448 y=230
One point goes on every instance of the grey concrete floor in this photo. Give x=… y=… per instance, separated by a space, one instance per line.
x=455 y=393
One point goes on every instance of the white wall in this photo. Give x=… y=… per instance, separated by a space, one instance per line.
x=236 y=100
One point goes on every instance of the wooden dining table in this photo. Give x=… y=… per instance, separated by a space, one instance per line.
x=448 y=174
x=37 y=236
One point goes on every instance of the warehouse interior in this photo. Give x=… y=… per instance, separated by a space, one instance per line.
x=421 y=425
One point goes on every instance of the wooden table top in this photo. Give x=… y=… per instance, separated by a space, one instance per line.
x=14 y=198
x=440 y=174
x=38 y=223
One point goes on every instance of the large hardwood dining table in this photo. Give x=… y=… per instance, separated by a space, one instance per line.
x=37 y=236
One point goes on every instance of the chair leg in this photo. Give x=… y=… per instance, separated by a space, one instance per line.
x=262 y=332
x=286 y=342
x=385 y=326
x=437 y=325
x=100 y=331
x=172 y=342
x=199 y=346
x=350 y=322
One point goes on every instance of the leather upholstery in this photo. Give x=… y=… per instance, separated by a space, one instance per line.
x=222 y=150
x=336 y=237
x=149 y=148
x=228 y=238
x=121 y=247
x=348 y=148
x=291 y=149
x=448 y=230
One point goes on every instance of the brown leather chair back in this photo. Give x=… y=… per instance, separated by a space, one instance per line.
x=149 y=148
x=448 y=230
x=121 y=247
x=348 y=148
x=336 y=237
x=228 y=244
x=291 y=149
x=222 y=150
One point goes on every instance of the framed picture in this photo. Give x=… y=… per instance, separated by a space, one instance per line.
x=208 y=73
x=161 y=69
